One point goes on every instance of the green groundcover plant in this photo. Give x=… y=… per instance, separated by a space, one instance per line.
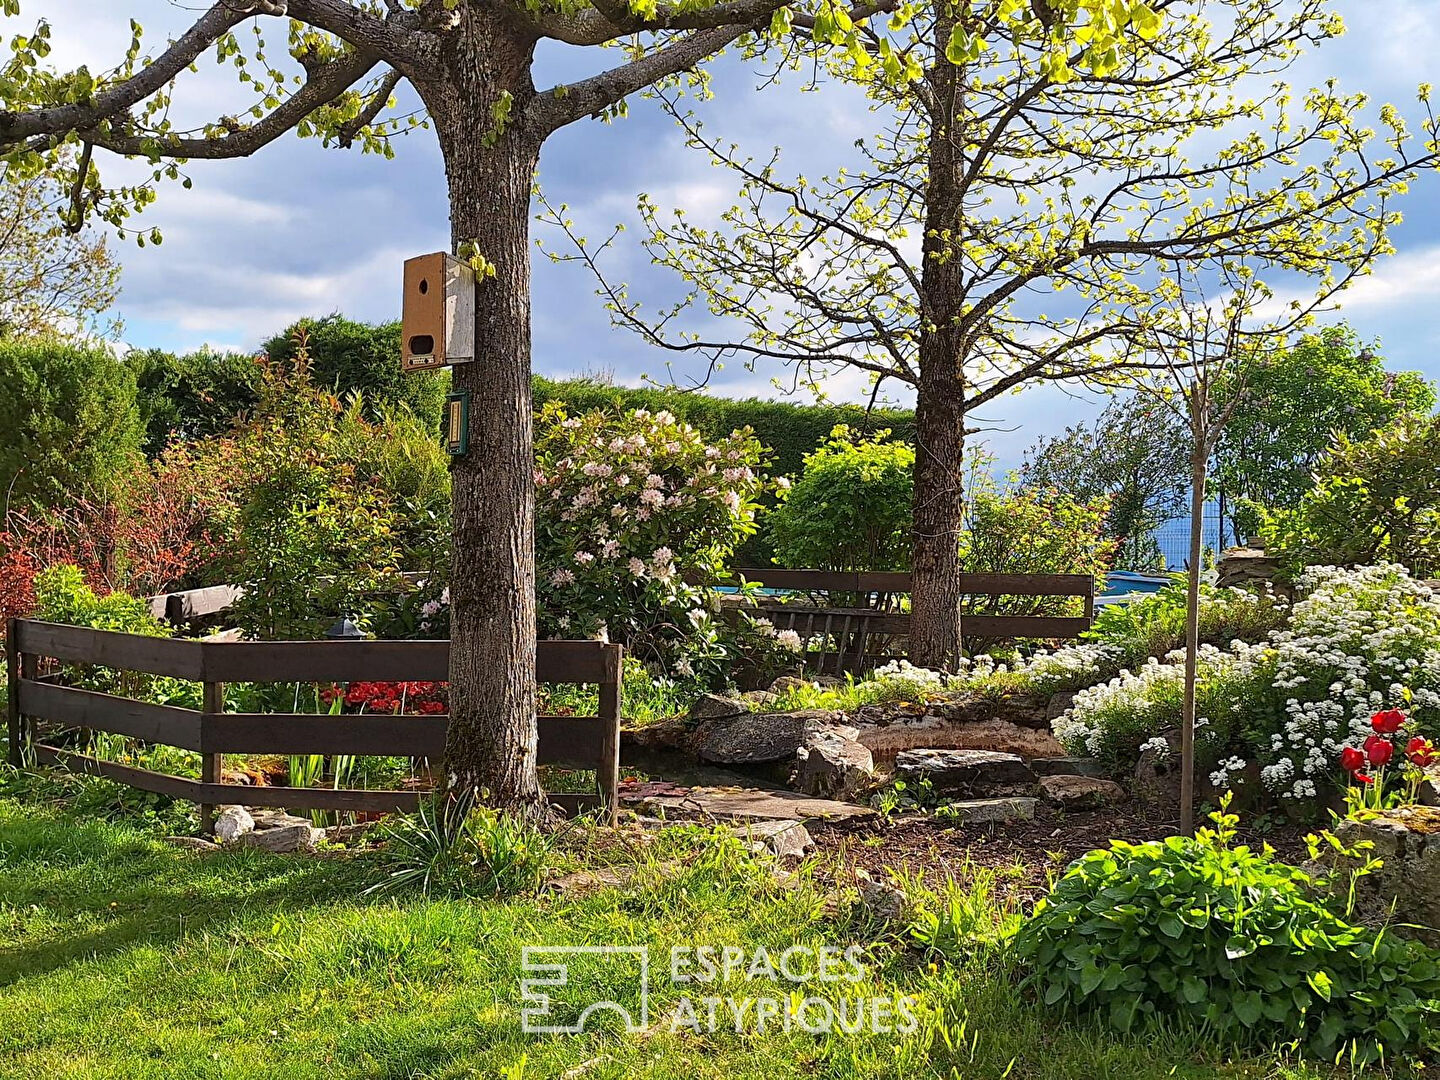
x=1203 y=932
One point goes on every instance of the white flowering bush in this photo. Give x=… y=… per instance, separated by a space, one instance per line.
x=1359 y=640
x=627 y=508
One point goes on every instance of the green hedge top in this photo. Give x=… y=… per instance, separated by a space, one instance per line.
x=791 y=431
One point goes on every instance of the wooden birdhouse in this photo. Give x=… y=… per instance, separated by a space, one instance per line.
x=438 y=315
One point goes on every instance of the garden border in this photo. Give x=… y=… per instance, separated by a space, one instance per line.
x=571 y=741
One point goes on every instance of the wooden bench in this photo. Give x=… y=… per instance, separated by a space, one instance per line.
x=565 y=741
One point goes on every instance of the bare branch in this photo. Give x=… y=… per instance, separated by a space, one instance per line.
x=60 y=120
x=323 y=87
x=564 y=104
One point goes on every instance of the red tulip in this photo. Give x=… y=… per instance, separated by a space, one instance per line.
x=1360 y=776
x=1379 y=751
x=1387 y=721
x=1352 y=759
x=1420 y=751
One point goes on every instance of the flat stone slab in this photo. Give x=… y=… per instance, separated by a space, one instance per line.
x=931 y=732
x=781 y=837
x=1081 y=792
x=991 y=811
x=753 y=804
x=759 y=738
x=1070 y=766
x=968 y=773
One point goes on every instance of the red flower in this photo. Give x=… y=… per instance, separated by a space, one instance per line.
x=1352 y=759
x=1420 y=751
x=1360 y=776
x=1378 y=750
x=1387 y=721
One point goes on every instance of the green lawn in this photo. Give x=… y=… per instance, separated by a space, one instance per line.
x=123 y=957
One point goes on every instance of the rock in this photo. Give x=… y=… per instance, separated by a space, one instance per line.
x=277 y=819
x=759 y=739
x=232 y=823
x=1059 y=705
x=746 y=804
x=990 y=811
x=786 y=683
x=1070 y=766
x=192 y=843
x=582 y=882
x=782 y=838
x=932 y=732
x=883 y=900
x=832 y=765
x=1019 y=709
x=1403 y=893
x=283 y=839
x=967 y=773
x=715 y=707
x=759 y=698
x=1428 y=793
x=1081 y=792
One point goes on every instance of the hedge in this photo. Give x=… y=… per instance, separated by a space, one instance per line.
x=790 y=431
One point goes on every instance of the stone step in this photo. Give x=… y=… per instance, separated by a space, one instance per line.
x=966 y=774
x=745 y=804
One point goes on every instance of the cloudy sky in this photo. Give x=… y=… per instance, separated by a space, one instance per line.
x=299 y=230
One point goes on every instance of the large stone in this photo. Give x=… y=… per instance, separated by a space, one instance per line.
x=284 y=839
x=1070 y=766
x=749 y=804
x=277 y=819
x=931 y=732
x=1019 y=709
x=1404 y=891
x=990 y=811
x=832 y=765
x=966 y=773
x=759 y=739
x=780 y=837
x=715 y=707
x=1081 y=792
x=232 y=823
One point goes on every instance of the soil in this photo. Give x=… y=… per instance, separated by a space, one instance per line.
x=1029 y=854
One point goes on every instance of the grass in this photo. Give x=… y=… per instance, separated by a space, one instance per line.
x=123 y=957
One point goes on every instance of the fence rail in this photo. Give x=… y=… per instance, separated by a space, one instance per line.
x=845 y=633
x=568 y=741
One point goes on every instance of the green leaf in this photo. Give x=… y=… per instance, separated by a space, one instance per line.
x=1320 y=982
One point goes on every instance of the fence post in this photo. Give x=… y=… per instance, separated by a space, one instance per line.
x=15 y=725
x=210 y=764
x=608 y=773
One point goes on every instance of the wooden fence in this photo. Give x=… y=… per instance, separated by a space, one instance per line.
x=565 y=741
x=844 y=633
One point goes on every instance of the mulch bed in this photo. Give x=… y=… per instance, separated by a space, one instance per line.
x=1029 y=854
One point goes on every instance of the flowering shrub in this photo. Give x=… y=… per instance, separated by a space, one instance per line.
x=1203 y=932
x=850 y=510
x=627 y=509
x=1358 y=639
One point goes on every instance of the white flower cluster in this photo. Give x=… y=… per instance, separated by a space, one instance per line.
x=1360 y=640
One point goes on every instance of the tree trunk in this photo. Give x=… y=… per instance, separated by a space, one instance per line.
x=935 y=640
x=490 y=748
x=1192 y=632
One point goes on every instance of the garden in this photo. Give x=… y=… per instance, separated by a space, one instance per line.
x=998 y=839
x=378 y=707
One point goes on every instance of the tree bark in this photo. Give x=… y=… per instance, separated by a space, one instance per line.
x=1198 y=460
x=935 y=633
x=490 y=166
